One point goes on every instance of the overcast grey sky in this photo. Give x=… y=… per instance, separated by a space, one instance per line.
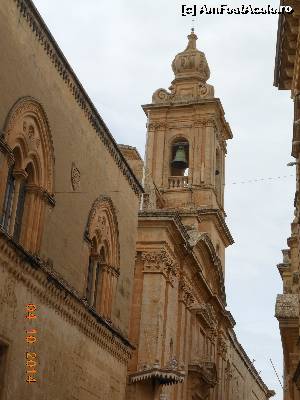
x=122 y=52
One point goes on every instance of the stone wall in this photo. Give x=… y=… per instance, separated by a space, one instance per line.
x=80 y=355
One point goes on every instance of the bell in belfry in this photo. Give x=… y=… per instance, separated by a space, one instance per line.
x=180 y=161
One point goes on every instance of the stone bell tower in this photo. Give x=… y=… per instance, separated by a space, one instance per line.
x=186 y=147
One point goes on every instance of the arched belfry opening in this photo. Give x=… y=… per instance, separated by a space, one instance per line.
x=179 y=163
x=179 y=157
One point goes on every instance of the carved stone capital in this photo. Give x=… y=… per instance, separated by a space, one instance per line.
x=160 y=262
x=20 y=174
x=222 y=346
x=152 y=126
x=287 y=306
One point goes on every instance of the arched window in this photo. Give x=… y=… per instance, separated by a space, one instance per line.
x=28 y=173
x=104 y=259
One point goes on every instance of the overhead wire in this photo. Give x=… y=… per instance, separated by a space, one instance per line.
x=261 y=179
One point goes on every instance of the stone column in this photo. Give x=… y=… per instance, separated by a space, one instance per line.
x=149 y=149
x=114 y=278
x=108 y=292
x=159 y=156
x=20 y=176
x=152 y=309
x=36 y=221
x=209 y=153
x=31 y=217
x=102 y=291
x=94 y=289
x=198 y=157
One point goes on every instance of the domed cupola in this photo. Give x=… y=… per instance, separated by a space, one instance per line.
x=191 y=63
x=191 y=73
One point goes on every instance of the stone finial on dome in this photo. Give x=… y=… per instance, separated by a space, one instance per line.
x=192 y=40
x=191 y=63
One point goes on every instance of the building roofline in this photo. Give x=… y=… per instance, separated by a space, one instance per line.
x=278 y=51
x=36 y=23
x=134 y=149
x=249 y=364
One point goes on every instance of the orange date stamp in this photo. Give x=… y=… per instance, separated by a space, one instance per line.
x=31 y=338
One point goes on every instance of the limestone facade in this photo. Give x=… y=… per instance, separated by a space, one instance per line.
x=287 y=77
x=98 y=300
x=68 y=215
x=186 y=347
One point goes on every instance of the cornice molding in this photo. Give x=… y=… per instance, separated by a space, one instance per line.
x=205 y=212
x=212 y=118
x=169 y=215
x=188 y=245
x=203 y=237
x=30 y=14
x=54 y=291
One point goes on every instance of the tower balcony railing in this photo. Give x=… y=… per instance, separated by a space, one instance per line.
x=178 y=182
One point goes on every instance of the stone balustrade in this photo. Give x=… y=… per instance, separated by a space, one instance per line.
x=178 y=182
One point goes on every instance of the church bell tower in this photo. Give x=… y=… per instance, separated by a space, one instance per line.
x=186 y=148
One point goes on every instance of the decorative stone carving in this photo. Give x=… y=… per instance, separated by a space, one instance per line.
x=228 y=371
x=172 y=363
x=160 y=262
x=286 y=256
x=162 y=376
x=189 y=66
x=196 y=237
x=102 y=226
x=207 y=370
x=296 y=277
x=8 y=297
x=206 y=312
x=75 y=177
x=27 y=122
x=203 y=91
x=222 y=346
x=191 y=62
x=287 y=306
x=202 y=376
x=157 y=125
x=185 y=292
